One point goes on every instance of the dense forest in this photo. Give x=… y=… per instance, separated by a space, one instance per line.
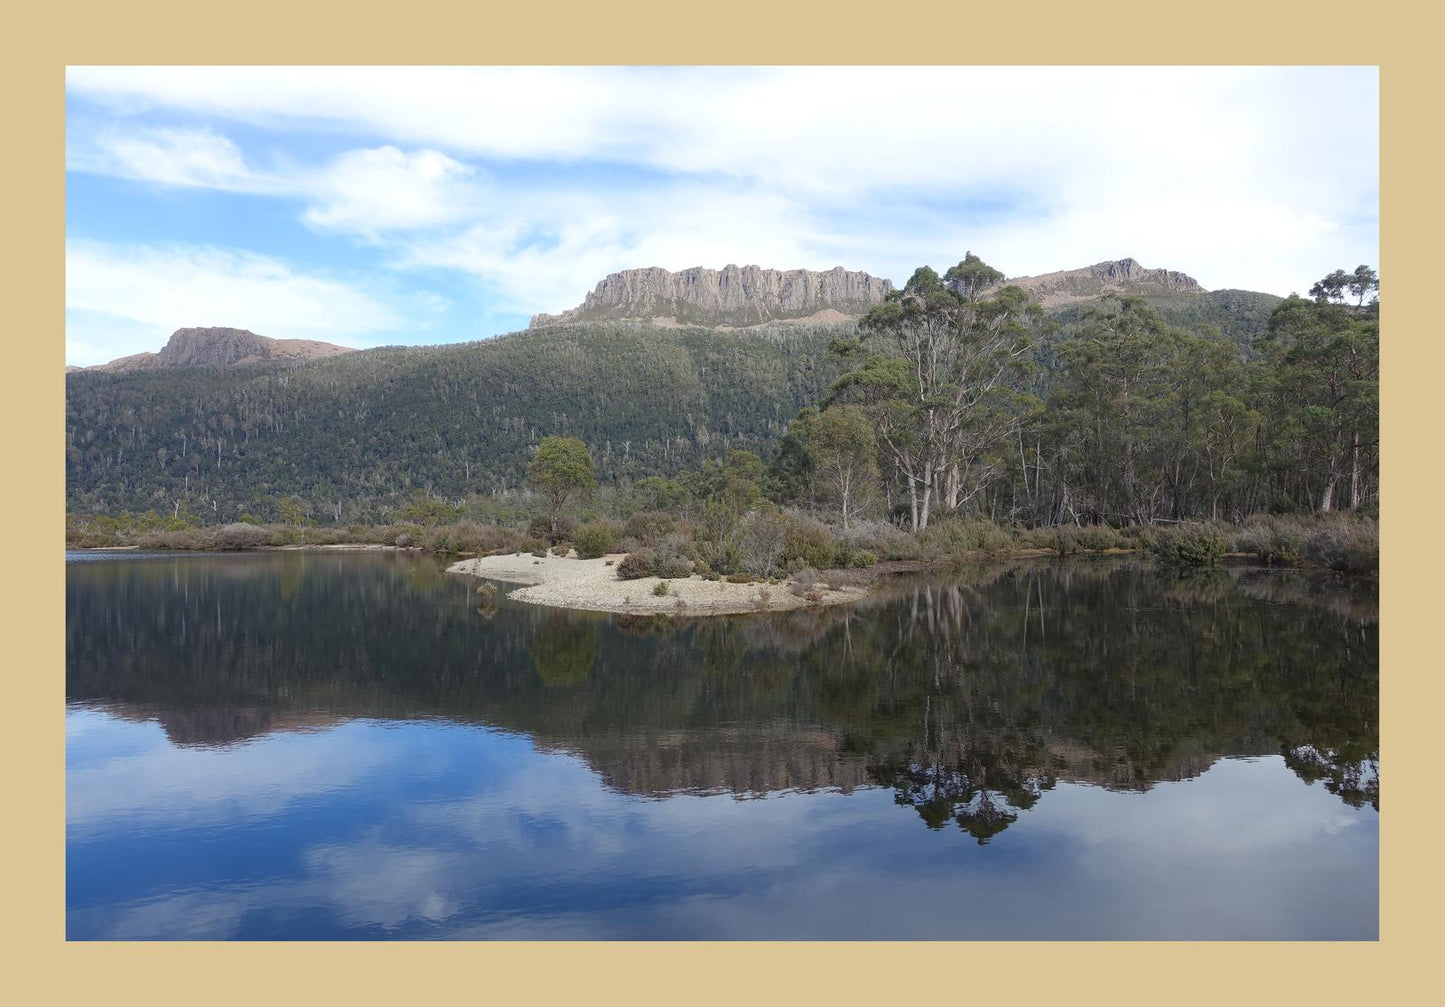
x=363 y=437
x=955 y=402
x=357 y=436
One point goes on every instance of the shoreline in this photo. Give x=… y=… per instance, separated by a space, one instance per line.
x=591 y=585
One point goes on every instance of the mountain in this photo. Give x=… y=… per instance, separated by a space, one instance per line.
x=731 y=297
x=1123 y=276
x=219 y=347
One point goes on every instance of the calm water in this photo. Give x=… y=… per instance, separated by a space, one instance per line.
x=346 y=746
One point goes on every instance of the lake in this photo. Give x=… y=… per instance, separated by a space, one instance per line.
x=349 y=746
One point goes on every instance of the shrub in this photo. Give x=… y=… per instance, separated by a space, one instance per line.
x=562 y=549
x=760 y=539
x=1189 y=544
x=541 y=527
x=241 y=535
x=810 y=542
x=884 y=540
x=487 y=590
x=635 y=565
x=660 y=589
x=595 y=538
x=540 y=553
x=669 y=564
x=804 y=581
x=649 y=527
x=404 y=541
x=739 y=578
x=1067 y=540
x=1098 y=537
x=1276 y=541
x=1349 y=546
x=958 y=538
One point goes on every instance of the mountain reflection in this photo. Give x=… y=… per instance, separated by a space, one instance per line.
x=968 y=696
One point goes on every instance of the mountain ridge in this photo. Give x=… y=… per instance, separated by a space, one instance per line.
x=733 y=297
x=218 y=346
x=1113 y=276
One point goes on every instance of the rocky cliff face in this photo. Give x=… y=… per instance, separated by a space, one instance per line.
x=732 y=297
x=220 y=347
x=1124 y=276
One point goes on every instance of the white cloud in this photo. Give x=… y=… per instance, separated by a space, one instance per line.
x=119 y=292
x=1243 y=177
x=200 y=158
x=386 y=189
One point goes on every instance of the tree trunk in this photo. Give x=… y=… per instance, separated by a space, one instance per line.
x=1355 y=472
x=951 y=487
x=1327 y=495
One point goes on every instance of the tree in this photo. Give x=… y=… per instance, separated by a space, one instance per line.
x=1363 y=283
x=1325 y=373
x=846 y=453
x=954 y=390
x=1332 y=287
x=971 y=277
x=561 y=468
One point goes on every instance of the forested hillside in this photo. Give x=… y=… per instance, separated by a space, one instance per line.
x=356 y=434
x=352 y=437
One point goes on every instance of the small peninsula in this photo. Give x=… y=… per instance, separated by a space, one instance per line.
x=592 y=585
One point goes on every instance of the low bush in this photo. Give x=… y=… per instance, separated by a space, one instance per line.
x=953 y=539
x=1347 y=545
x=1189 y=544
x=669 y=564
x=880 y=539
x=562 y=549
x=804 y=581
x=1098 y=537
x=757 y=543
x=1276 y=541
x=811 y=542
x=635 y=565
x=596 y=538
x=467 y=536
x=649 y=527
x=660 y=589
x=240 y=535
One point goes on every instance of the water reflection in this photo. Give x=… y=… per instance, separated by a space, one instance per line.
x=427 y=767
x=972 y=695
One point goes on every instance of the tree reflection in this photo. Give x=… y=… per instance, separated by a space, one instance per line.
x=968 y=696
x=564 y=651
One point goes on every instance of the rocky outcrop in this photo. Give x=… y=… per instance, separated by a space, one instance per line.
x=220 y=347
x=734 y=296
x=1123 y=276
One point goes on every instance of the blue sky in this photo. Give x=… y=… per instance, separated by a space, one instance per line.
x=372 y=206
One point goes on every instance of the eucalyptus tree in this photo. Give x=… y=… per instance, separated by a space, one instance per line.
x=950 y=391
x=846 y=454
x=1324 y=403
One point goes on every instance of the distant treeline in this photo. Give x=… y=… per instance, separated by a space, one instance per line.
x=942 y=401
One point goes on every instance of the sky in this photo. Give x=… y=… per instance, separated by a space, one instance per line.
x=375 y=206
